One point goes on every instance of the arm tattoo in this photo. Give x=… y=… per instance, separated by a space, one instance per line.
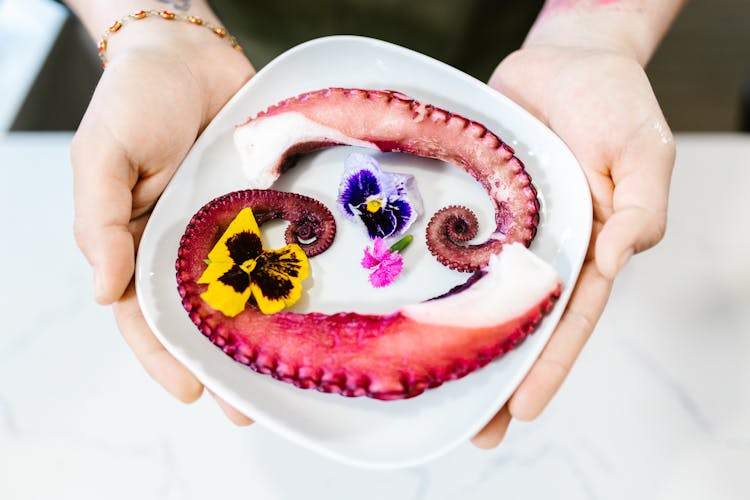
x=182 y=5
x=557 y=5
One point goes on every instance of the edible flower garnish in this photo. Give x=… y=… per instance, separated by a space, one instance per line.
x=240 y=267
x=387 y=203
x=386 y=263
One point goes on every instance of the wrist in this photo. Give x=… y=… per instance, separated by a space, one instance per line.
x=98 y=15
x=180 y=35
x=631 y=28
x=213 y=65
x=623 y=33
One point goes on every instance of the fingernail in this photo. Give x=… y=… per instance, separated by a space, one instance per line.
x=624 y=258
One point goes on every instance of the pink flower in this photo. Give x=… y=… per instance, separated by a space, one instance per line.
x=386 y=264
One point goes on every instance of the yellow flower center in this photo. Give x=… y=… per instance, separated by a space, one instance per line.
x=248 y=265
x=374 y=203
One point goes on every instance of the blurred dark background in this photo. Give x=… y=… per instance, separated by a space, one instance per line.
x=700 y=74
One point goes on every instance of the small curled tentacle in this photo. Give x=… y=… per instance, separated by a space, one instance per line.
x=301 y=230
x=448 y=229
x=311 y=224
x=460 y=223
x=313 y=231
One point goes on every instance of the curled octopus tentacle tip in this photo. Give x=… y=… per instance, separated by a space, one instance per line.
x=447 y=233
x=314 y=230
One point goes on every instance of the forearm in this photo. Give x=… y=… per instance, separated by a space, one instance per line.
x=631 y=27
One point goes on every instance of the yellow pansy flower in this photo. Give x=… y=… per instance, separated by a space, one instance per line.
x=239 y=267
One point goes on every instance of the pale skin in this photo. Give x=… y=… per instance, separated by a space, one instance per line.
x=165 y=81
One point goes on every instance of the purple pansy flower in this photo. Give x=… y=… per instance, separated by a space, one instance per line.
x=385 y=264
x=387 y=203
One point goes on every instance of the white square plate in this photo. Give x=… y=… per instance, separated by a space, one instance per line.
x=363 y=431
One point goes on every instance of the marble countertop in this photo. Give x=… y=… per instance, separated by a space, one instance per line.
x=658 y=406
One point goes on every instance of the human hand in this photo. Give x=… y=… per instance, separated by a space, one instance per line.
x=163 y=84
x=600 y=103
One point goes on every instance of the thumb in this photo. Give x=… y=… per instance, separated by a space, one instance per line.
x=641 y=177
x=103 y=179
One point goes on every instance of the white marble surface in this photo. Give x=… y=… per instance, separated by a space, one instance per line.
x=658 y=407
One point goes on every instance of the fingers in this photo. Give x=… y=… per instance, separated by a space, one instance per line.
x=575 y=327
x=641 y=177
x=157 y=362
x=493 y=433
x=231 y=412
x=102 y=180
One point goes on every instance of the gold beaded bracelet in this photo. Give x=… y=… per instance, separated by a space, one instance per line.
x=168 y=16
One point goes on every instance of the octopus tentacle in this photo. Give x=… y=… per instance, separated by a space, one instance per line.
x=391 y=356
x=391 y=121
x=311 y=224
x=448 y=229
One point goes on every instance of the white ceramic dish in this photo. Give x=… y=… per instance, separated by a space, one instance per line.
x=363 y=431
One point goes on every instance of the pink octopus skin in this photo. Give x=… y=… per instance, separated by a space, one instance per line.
x=390 y=356
x=381 y=356
x=391 y=121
